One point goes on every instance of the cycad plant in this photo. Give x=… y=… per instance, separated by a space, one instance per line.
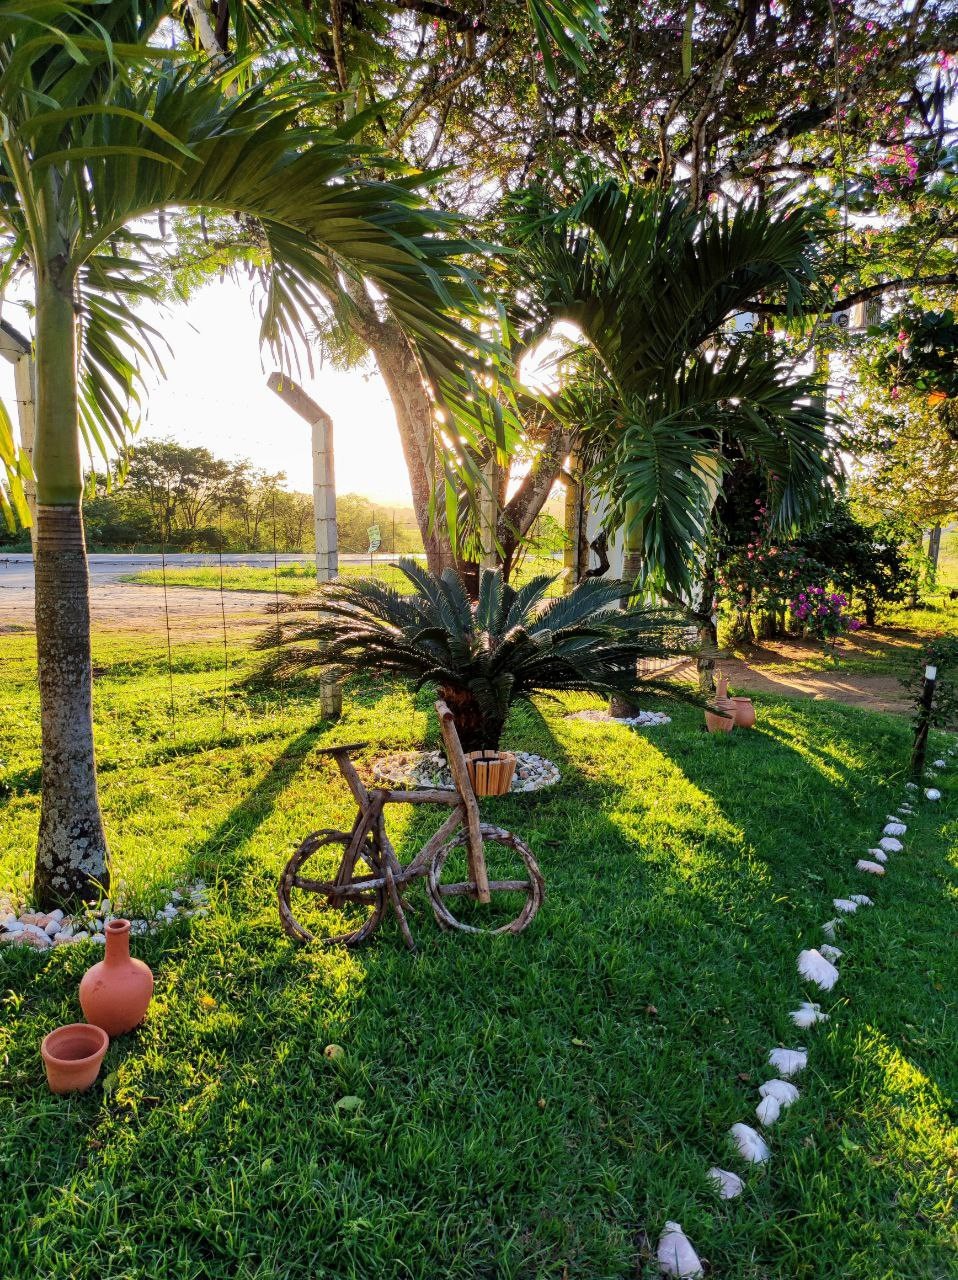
x=482 y=657
x=666 y=395
x=104 y=126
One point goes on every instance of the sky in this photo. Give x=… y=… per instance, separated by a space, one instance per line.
x=215 y=394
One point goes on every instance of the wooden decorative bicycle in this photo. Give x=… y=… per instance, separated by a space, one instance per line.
x=454 y=861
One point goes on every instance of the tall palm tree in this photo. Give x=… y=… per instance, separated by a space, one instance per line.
x=651 y=283
x=104 y=127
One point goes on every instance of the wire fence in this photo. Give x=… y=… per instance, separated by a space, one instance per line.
x=192 y=627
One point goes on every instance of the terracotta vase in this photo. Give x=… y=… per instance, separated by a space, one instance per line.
x=744 y=712
x=114 y=994
x=714 y=722
x=72 y=1056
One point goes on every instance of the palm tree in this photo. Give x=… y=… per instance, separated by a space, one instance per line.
x=104 y=127
x=511 y=643
x=664 y=395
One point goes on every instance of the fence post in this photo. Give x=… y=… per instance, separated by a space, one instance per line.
x=324 y=508
x=924 y=722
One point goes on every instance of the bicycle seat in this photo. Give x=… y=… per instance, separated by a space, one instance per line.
x=342 y=749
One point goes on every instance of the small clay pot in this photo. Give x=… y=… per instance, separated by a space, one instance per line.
x=714 y=722
x=115 y=993
x=72 y=1056
x=744 y=712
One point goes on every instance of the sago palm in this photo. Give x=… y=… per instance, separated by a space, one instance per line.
x=482 y=657
x=103 y=127
x=651 y=283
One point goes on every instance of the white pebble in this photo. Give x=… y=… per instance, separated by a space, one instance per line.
x=890 y=844
x=98 y=937
x=80 y=935
x=940 y=764
x=729 y=1184
x=788 y=1062
x=911 y=786
x=675 y=1254
x=894 y=828
x=932 y=794
x=829 y=927
x=813 y=966
x=830 y=953
x=847 y=906
x=872 y=868
x=862 y=900
x=783 y=1092
x=878 y=855
x=807 y=1015
x=768 y=1111
x=752 y=1146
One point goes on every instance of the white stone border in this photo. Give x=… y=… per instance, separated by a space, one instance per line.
x=675 y=1254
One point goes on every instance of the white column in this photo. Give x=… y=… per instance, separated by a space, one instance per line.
x=324 y=506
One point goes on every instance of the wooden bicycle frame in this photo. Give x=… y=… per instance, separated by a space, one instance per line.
x=370 y=821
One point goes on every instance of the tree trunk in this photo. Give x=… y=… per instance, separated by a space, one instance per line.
x=71 y=859
x=934 y=547
x=415 y=419
x=476 y=731
x=620 y=706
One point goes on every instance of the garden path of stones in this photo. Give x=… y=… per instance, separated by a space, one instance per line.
x=676 y=1255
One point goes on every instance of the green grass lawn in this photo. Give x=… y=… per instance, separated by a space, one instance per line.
x=531 y=1107
x=299 y=579
x=294 y=579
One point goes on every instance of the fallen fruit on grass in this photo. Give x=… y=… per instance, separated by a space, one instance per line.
x=333 y=1051
x=349 y=1103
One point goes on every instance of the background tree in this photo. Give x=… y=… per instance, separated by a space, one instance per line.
x=103 y=129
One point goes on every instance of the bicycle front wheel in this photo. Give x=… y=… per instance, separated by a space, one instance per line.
x=314 y=907
x=515 y=884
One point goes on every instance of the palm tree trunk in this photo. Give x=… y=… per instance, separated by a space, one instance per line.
x=620 y=706
x=71 y=859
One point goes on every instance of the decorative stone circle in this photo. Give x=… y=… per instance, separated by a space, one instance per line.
x=429 y=769
x=19 y=926
x=641 y=720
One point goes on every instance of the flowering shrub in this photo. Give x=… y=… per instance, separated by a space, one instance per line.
x=823 y=614
x=764 y=576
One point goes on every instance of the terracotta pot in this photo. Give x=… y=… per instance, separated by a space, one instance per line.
x=114 y=994
x=491 y=772
x=744 y=712
x=714 y=722
x=72 y=1056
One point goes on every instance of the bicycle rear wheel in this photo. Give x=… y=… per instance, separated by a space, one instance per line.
x=315 y=908
x=516 y=884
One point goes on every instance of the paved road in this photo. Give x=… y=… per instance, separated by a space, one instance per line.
x=16 y=569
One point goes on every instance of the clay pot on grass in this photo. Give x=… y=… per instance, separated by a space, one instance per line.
x=716 y=722
x=115 y=993
x=744 y=712
x=72 y=1056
